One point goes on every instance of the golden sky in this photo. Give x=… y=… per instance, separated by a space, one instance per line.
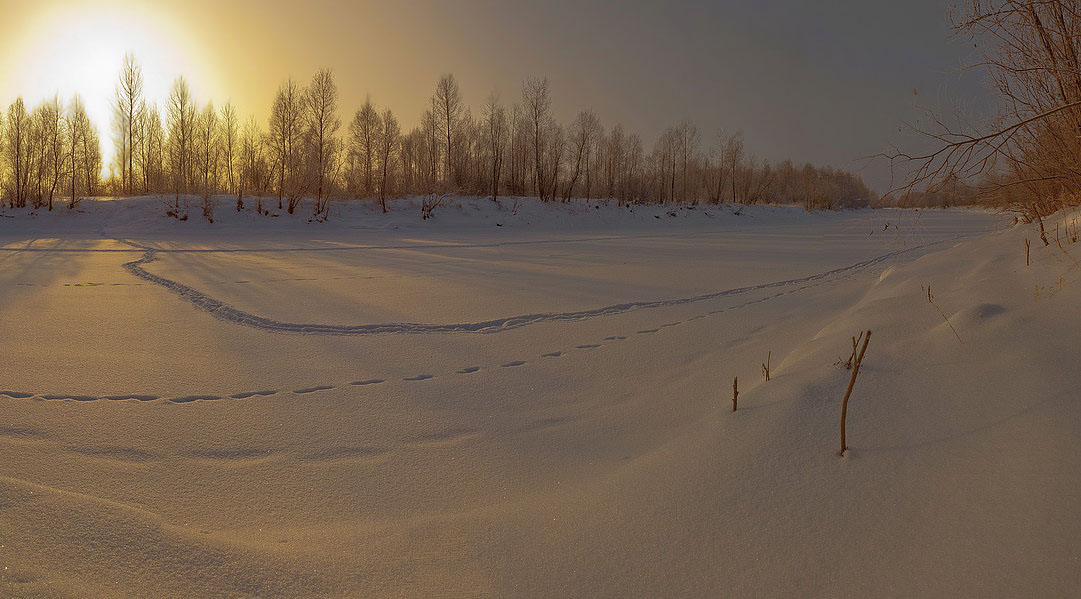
x=820 y=82
x=237 y=51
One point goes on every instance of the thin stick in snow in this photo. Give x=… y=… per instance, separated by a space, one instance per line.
x=852 y=383
x=735 y=392
x=931 y=300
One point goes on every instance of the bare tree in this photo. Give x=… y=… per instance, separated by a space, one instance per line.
x=583 y=132
x=18 y=154
x=389 y=140
x=447 y=106
x=557 y=143
x=252 y=163
x=74 y=130
x=536 y=97
x=630 y=186
x=362 y=146
x=686 y=150
x=82 y=151
x=1029 y=152
x=229 y=142
x=733 y=161
x=496 y=132
x=181 y=116
x=321 y=117
x=206 y=145
x=129 y=96
x=45 y=151
x=285 y=124
x=614 y=161
x=143 y=150
x=90 y=158
x=430 y=135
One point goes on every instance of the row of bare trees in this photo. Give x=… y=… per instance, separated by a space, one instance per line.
x=305 y=154
x=50 y=152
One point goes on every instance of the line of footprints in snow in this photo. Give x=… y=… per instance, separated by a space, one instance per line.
x=420 y=377
x=313 y=389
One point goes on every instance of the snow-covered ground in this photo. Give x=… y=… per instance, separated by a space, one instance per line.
x=534 y=401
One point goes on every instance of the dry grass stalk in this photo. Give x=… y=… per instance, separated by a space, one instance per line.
x=931 y=300
x=1028 y=250
x=735 y=392
x=852 y=383
x=765 y=366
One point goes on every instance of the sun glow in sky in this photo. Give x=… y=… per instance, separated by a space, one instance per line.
x=78 y=49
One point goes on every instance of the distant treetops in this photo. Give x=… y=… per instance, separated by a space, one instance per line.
x=303 y=154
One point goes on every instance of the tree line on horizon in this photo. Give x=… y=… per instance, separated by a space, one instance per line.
x=303 y=152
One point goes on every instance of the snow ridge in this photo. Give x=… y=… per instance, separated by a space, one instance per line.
x=223 y=311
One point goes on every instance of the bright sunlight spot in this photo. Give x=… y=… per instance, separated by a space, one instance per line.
x=82 y=52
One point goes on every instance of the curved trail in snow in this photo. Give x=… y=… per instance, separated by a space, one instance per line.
x=223 y=311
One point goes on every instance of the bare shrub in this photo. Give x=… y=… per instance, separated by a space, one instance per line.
x=1027 y=157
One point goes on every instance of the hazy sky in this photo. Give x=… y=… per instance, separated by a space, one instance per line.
x=826 y=82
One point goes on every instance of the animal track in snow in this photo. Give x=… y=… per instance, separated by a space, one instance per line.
x=223 y=311
x=647 y=331
x=307 y=390
x=588 y=346
x=615 y=338
x=135 y=397
x=469 y=370
x=367 y=382
x=512 y=364
x=191 y=398
x=554 y=354
x=248 y=394
x=419 y=377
